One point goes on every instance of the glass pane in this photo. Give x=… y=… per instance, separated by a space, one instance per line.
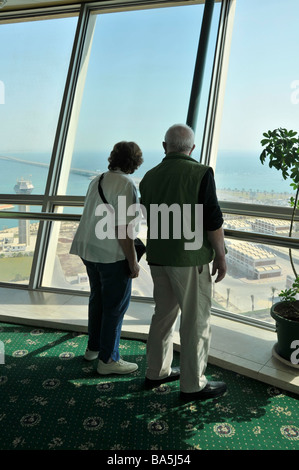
x=256 y=274
x=68 y=272
x=204 y=95
x=7 y=224
x=17 y=244
x=142 y=286
x=261 y=95
x=34 y=65
x=63 y=270
x=138 y=83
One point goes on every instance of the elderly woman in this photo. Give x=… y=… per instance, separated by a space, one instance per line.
x=110 y=260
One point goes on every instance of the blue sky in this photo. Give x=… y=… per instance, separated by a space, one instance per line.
x=33 y=68
x=262 y=67
x=140 y=74
x=138 y=82
x=139 y=77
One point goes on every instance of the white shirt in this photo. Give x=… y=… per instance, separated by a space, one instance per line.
x=95 y=238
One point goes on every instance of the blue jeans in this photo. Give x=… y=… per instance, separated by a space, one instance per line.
x=110 y=293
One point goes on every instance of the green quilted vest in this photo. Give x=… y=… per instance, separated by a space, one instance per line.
x=168 y=191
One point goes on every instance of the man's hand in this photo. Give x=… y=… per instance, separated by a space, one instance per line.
x=216 y=239
x=134 y=269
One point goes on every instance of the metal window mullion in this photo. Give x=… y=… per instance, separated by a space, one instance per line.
x=25 y=199
x=67 y=103
x=258 y=210
x=262 y=238
x=216 y=94
x=47 y=216
x=199 y=68
x=58 y=148
x=133 y=5
x=42 y=12
x=61 y=200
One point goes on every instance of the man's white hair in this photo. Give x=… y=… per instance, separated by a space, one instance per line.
x=179 y=138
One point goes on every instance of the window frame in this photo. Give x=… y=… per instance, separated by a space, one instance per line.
x=49 y=201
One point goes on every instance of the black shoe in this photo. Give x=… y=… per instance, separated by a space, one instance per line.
x=211 y=390
x=174 y=375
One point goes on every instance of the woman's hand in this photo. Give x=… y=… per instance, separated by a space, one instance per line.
x=134 y=269
x=127 y=244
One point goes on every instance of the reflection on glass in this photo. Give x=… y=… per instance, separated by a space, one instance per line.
x=34 y=64
x=257 y=99
x=17 y=244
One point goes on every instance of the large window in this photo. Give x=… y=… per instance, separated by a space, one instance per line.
x=134 y=83
x=34 y=63
x=256 y=274
x=138 y=83
x=65 y=271
x=17 y=244
x=261 y=94
x=130 y=78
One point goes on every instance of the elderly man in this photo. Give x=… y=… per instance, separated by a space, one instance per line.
x=180 y=269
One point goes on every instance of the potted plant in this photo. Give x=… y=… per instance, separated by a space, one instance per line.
x=282 y=150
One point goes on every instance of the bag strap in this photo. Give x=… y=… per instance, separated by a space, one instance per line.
x=102 y=194
x=100 y=189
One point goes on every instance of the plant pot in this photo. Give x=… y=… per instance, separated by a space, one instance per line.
x=287 y=332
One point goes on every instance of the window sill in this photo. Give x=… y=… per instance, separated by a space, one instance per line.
x=242 y=348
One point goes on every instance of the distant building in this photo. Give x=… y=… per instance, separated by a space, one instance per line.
x=6 y=237
x=271 y=226
x=24 y=187
x=252 y=261
x=241 y=223
x=259 y=225
x=14 y=247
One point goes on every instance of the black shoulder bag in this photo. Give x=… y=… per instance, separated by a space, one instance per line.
x=139 y=245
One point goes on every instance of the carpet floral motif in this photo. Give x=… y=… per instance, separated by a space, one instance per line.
x=52 y=399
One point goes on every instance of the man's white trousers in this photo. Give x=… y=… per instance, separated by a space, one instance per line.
x=185 y=290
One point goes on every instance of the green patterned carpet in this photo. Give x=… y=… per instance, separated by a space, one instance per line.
x=51 y=399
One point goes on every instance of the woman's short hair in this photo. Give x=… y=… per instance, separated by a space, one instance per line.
x=126 y=156
x=179 y=138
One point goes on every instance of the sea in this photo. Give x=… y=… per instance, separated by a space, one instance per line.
x=234 y=170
